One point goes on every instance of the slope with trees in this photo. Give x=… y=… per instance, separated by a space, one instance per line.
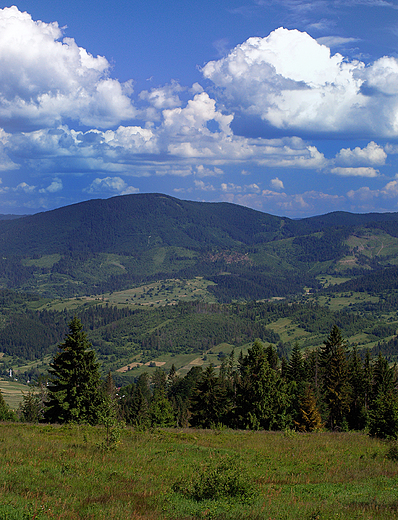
x=107 y=245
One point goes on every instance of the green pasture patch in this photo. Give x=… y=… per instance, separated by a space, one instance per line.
x=360 y=339
x=41 y=365
x=269 y=257
x=71 y=304
x=165 y=292
x=338 y=301
x=12 y=392
x=46 y=261
x=373 y=244
x=328 y=280
x=287 y=330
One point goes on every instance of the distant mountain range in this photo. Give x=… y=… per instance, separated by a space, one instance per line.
x=107 y=245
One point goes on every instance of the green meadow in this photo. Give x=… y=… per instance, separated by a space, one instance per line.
x=12 y=392
x=65 y=472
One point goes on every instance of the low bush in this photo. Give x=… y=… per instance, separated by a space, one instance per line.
x=219 y=478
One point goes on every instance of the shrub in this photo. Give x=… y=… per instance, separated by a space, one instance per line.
x=222 y=478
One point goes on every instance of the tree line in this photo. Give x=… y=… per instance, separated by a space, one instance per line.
x=330 y=388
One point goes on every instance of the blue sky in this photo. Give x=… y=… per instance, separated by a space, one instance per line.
x=288 y=106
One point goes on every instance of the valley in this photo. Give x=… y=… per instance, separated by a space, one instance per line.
x=158 y=281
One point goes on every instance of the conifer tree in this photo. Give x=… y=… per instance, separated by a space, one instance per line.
x=367 y=380
x=262 y=400
x=295 y=370
x=108 y=413
x=309 y=418
x=180 y=393
x=335 y=378
x=383 y=417
x=383 y=377
x=357 y=415
x=136 y=407
x=272 y=356
x=75 y=387
x=295 y=377
x=208 y=403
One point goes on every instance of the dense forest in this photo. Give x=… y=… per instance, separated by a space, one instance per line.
x=331 y=388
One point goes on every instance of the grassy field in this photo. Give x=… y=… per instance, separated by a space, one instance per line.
x=62 y=472
x=166 y=292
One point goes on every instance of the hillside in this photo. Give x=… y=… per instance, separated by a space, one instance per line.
x=159 y=280
x=100 y=246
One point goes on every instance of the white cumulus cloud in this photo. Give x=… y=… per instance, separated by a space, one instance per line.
x=111 y=184
x=355 y=172
x=291 y=81
x=45 y=77
x=372 y=154
x=276 y=184
x=201 y=185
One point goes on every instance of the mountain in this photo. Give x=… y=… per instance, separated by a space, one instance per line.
x=106 y=245
x=135 y=222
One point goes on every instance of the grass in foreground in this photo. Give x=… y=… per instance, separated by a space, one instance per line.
x=60 y=472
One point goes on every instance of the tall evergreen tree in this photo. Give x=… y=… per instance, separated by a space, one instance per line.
x=383 y=377
x=335 y=378
x=357 y=415
x=383 y=416
x=295 y=370
x=75 y=387
x=180 y=393
x=295 y=375
x=208 y=404
x=135 y=407
x=262 y=400
x=308 y=417
x=367 y=380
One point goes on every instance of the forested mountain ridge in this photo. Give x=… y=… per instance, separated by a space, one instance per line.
x=106 y=245
x=133 y=222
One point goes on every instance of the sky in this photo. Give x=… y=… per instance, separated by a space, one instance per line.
x=289 y=107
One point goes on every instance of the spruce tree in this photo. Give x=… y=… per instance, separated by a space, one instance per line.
x=383 y=417
x=308 y=418
x=383 y=377
x=335 y=378
x=209 y=401
x=357 y=415
x=136 y=408
x=295 y=370
x=75 y=387
x=262 y=399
